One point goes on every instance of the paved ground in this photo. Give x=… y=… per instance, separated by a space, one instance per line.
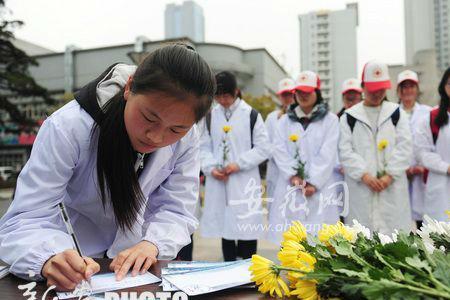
x=204 y=248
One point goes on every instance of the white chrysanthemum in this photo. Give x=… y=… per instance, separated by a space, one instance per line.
x=359 y=228
x=384 y=239
x=394 y=235
x=432 y=226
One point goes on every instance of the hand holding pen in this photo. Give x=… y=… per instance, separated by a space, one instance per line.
x=69 y=268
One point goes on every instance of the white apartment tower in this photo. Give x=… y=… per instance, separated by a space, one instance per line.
x=427 y=27
x=185 y=20
x=328 y=47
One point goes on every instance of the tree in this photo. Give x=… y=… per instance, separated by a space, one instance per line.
x=264 y=104
x=15 y=79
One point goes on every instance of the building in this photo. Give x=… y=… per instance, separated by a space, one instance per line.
x=185 y=20
x=258 y=74
x=328 y=47
x=257 y=71
x=423 y=63
x=427 y=27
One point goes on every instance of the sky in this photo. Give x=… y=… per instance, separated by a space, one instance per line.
x=271 y=24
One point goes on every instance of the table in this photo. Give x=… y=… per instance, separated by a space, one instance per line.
x=9 y=287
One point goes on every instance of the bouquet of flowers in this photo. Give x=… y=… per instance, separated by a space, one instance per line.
x=382 y=147
x=348 y=262
x=300 y=167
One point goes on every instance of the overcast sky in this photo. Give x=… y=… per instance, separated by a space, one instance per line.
x=272 y=24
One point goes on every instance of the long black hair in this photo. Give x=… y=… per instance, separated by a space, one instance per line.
x=173 y=69
x=442 y=117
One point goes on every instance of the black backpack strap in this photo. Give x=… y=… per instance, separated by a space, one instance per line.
x=208 y=122
x=87 y=96
x=253 y=117
x=395 y=117
x=351 y=121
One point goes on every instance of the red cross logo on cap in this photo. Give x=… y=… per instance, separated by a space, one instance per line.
x=350 y=82
x=286 y=83
x=303 y=78
x=377 y=73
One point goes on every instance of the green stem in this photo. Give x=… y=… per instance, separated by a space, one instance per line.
x=427 y=291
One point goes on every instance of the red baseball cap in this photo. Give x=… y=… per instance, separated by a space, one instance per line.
x=375 y=76
x=307 y=81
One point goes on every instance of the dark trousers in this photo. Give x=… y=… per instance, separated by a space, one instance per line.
x=186 y=252
x=419 y=224
x=232 y=249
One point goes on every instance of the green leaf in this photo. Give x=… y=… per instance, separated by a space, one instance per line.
x=342 y=247
x=416 y=262
x=323 y=252
x=351 y=273
x=442 y=270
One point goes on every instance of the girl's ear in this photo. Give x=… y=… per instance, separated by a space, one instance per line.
x=127 y=92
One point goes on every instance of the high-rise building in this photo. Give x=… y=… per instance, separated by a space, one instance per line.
x=427 y=27
x=328 y=47
x=185 y=20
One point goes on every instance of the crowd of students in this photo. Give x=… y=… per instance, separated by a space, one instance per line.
x=124 y=158
x=384 y=163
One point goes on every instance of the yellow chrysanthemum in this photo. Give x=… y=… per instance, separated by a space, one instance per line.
x=448 y=213
x=296 y=233
x=293 y=138
x=226 y=128
x=306 y=290
x=329 y=231
x=383 y=144
x=267 y=276
x=293 y=255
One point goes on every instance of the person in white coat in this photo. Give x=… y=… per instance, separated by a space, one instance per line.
x=375 y=150
x=305 y=153
x=232 y=147
x=351 y=94
x=123 y=158
x=286 y=97
x=433 y=145
x=408 y=93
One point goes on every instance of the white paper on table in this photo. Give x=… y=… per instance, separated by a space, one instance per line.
x=107 y=282
x=186 y=267
x=211 y=280
x=198 y=264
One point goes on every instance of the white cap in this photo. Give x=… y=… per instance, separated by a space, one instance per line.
x=407 y=75
x=307 y=81
x=375 y=76
x=285 y=85
x=351 y=84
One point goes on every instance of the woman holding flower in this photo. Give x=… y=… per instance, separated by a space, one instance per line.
x=305 y=152
x=230 y=153
x=375 y=151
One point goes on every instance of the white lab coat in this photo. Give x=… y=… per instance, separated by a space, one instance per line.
x=417 y=184
x=233 y=210
x=62 y=167
x=436 y=158
x=390 y=209
x=318 y=148
x=272 y=170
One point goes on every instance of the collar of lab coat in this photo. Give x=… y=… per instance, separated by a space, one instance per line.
x=158 y=159
x=233 y=106
x=358 y=112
